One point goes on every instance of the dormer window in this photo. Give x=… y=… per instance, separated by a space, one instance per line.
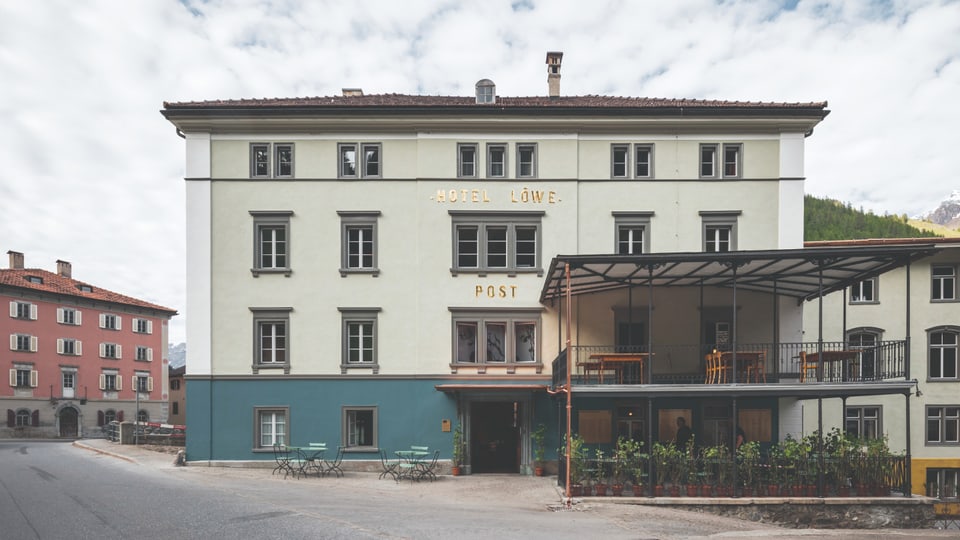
x=486 y=91
x=35 y=279
x=85 y=288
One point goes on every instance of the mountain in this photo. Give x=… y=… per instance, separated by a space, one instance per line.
x=827 y=219
x=947 y=214
x=177 y=354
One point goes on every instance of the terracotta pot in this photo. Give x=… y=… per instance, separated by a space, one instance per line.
x=862 y=490
x=693 y=490
x=706 y=490
x=657 y=490
x=600 y=490
x=796 y=491
x=638 y=490
x=674 y=491
x=810 y=491
x=748 y=491
x=843 y=491
x=576 y=490
x=617 y=489
x=773 y=491
x=538 y=471
x=587 y=490
x=455 y=470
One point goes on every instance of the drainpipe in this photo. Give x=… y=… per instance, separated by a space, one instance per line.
x=569 y=392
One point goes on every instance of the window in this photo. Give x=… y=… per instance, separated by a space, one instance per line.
x=23 y=376
x=110 y=381
x=942 y=484
x=174 y=384
x=708 y=161
x=864 y=292
x=109 y=321
x=23 y=343
x=496 y=337
x=486 y=91
x=359 y=339
x=144 y=354
x=731 y=160
x=109 y=416
x=143 y=416
x=271 y=427
x=271 y=242
x=68 y=378
x=23 y=310
x=69 y=347
x=22 y=418
x=526 y=161
x=864 y=422
x=943 y=353
x=359 y=160
x=620 y=161
x=283 y=157
x=719 y=231
x=358 y=243
x=496 y=241
x=632 y=232
x=68 y=316
x=644 y=160
x=35 y=279
x=496 y=160
x=865 y=340
x=110 y=350
x=143 y=382
x=270 y=330
x=175 y=407
x=944 y=285
x=466 y=161
x=943 y=425
x=360 y=427
x=259 y=160
x=143 y=326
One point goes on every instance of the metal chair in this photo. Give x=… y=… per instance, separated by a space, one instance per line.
x=281 y=454
x=429 y=469
x=388 y=467
x=334 y=466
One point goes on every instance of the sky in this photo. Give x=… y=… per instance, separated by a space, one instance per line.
x=93 y=174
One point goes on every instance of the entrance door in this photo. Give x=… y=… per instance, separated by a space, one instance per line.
x=68 y=422
x=494 y=437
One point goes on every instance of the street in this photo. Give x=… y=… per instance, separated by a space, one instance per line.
x=52 y=490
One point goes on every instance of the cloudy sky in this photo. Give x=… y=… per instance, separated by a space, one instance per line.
x=93 y=174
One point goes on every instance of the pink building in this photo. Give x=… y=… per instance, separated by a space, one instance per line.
x=78 y=356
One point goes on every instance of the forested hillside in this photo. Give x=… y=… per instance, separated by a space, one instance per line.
x=827 y=219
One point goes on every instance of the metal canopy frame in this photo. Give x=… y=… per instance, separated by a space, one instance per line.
x=800 y=273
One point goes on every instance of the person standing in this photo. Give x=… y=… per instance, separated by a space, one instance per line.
x=684 y=433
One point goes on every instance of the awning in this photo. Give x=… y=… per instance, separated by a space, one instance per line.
x=454 y=388
x=800 y=273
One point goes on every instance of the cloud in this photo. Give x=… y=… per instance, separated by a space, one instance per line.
x=93 y=174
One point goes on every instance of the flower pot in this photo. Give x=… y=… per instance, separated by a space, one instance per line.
x=538 y=471
x=455 y=470
x=773 y=490
x=637 y=490
x=693 y=490
x=587 y=490
x=576 y=490
x=674 y=491
x=843 y=491
x=796 y=491
x=810 y=491
x=617 y=489
x=747 y=491
x=600 y=490
x=706 y=490
x=862 y=490
x=657 y=490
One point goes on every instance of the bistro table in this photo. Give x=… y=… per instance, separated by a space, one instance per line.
x=309 y=459
x=750 y=364
x=619 y=362
x=411 y=463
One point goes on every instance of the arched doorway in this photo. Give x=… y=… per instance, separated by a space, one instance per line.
x=69 y=420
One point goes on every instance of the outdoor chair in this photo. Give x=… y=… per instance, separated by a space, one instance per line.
x=429 y=469
x=281 y=454
x=806 y=367
x=334 y=466
x=388 y=467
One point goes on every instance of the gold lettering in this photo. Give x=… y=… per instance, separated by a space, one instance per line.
x=441 y=196
x=491 y=291
x=453 y=195
x=513 y=291
x=475 y=195
x=513 y=197
x=485 y=198
x=503 y=291
x=479 y=290
x=537 y=196
x=463 y=194
x=552 y=197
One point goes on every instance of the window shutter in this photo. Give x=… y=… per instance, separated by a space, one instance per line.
x=34 y=376
x=103 y=320
x=13 y=377
x=33 y=343
x=76 y=317
x=11 y=418
x=119 y=321
x=100 y=418
x=103 y=350
x=13 y=309
x=35 y=418
x=59 y=314
x=119 y=413
x=149 y=384
x=33 y=312
x=118 y=351
x=13 y=342
x=149 y=354
x=77 y=349
x=103 y=383
x=59 y=345
x=149 y=326
x=119 y=382
x=133 y=384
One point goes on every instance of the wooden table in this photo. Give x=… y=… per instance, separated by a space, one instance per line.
x=616 y=361
x=846 y=359
x=748 y=363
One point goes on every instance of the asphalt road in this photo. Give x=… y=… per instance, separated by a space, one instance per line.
x=52 y=490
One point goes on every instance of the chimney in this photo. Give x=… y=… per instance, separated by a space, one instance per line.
x=64 y=269
x=553 y=73
x=352 y=92
x=16 y=260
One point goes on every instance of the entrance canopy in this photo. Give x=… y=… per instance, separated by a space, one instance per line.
x=800 y=273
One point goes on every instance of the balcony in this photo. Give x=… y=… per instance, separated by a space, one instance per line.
x=835 y=363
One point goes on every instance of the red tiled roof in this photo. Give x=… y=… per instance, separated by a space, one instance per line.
x=406 y=100
x=57 y=284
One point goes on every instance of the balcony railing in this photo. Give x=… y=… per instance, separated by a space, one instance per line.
x=750 y=363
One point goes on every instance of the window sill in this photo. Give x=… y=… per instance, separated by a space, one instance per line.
x=866 y=303
x=510 y=272
x=375 y=272
x=257 y=367
x=257 y=271
x=511 y=367
x=361 y=450
x=346 y=367
x=943 y=380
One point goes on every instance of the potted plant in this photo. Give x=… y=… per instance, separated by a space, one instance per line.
x=623 y=454
x=663 y=461
x=748 y=461
x=639 y=466
x=600 y=475
x=538 y=438
x=716 y=463
x=459 y=450
x=577 y=464
x=777 y=462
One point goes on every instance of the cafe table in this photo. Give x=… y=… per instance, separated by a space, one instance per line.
x=411 y=463
x=309 y=458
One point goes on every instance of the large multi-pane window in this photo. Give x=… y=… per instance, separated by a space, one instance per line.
x=360 y=427
x=496 y=337
x=260 y=160
x=271 y=160
x=943 y=424
x=632 y=232
x=68 y=316
x=359 y=349
x=496 y=242
x=620 y=164
x=732 y=165
x=69 y=347
x=943 y=353
x=942 y=484
x=143 y=382
x=643 y=160
x=23 y=376
x=719 y=231
x=467 y=160
x=708 y=161
x=358 y=242
x=271 y=427
x=110 y=381
x=359 y=160
x=283 y=157
x=864 y=422
x=109 y=321
x=864 y=340
x=143 y=326
x=271 y=338
x=111 y=350
x=943 y=286
x=271 y=242
x=23 y=343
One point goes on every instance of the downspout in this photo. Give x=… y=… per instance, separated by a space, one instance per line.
x=569 y=389
x=733 y=341
x=908 y=466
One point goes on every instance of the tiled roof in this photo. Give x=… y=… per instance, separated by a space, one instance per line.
x=57 y=284
x=406 y=100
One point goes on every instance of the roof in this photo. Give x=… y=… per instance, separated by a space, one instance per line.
x=883 y=242
x=800 y=273
x=56 y=284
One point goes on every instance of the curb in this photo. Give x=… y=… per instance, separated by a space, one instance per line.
x=79 y=444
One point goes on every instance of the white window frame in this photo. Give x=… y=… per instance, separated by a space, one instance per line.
x=943 y=479
x=715 y=220
x=702 y=162
x=24 y=376
x=363 y=222
x=361 y=162
x=108 y=376
x=631 y=222
x=274 y=417
x=619 y=160
x=480 y=321
x=69 y=347
x=111 y=321
x=279 y=163
x=144 y=354
x=256 y=147
x=482 y=223
x=502 y=163
x=463 y=163
x=23 y=343
x=69 y=316
x=277 y=263
x=943 y=357
x=359 y=325
x=736 y=163
x=142 y=377
x=113 y=351
x=350 y=435
x=272 y=342
x=23 y=418
x=25 y=311
x=943 y=283
x=943 y=416
x=142 y=326
x=522 y=163
x=865 y=292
